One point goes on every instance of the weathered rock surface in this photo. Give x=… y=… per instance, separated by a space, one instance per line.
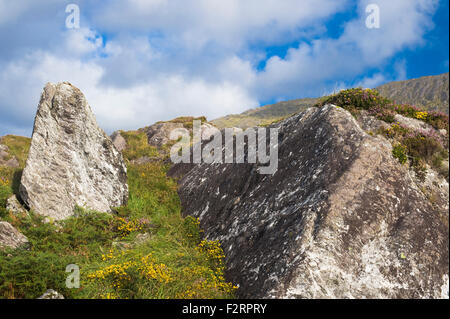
x=341 y=218
x=71 y=162
x=13 y=205
x=6 y=159
x=119 y=141
x=412 y=123
x=158 y=134
x=51 y=294
x=11 y=237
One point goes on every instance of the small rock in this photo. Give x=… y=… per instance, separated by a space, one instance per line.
x=51 y=294
x=121 y=245
x=5 y=158
x=159 y=134
x=13 y=163
x=14 y=206
x=411 y=123
x=11 y=237
x=119 y=141
x=142 y=238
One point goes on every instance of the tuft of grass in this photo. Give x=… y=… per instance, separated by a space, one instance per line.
x=137 y=146
x=18 y=146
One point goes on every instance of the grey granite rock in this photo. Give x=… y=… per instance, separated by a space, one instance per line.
x=72 y=162
x=341 y=218
x=11 y=237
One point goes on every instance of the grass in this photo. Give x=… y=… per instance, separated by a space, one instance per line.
x=172 y=262
x=137 y=146
x=18 y=147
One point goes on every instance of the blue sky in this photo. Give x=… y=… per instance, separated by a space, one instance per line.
x=141 y=61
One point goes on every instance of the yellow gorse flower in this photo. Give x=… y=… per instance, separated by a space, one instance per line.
x=421 y=115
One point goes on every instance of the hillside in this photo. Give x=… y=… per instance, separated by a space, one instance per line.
x=358 y=208
x=144 y=249
x=430 y=92
x=264 y=115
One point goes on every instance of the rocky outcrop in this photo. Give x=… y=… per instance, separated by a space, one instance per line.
x=13 y=205
x=159 y=133
x=6 y=159
x=11 y=237
x=119 y=141
x=340 y=218
x=71 y=162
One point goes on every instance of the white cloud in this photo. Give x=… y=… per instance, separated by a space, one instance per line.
x=357 y=50
x=158 y=59
x=230 y=22
x=160 y=98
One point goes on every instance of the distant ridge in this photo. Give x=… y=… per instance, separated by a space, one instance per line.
x=264 y=115
x=430 y=92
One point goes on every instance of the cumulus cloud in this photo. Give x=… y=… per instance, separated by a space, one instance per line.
x=139 y=62
x=358 y=49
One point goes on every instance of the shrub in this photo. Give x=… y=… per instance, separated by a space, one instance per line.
x=358 y=98
x=399 y=151
x=137 y=146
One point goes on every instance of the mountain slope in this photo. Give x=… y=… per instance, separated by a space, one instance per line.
x=264 y=115
x=431 y=92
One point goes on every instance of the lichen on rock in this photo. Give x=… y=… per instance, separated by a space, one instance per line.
x=341 y=217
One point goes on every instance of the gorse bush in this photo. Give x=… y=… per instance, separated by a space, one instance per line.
x=420 y=147
x=137 y=146
x=400 y=152
x=357 y=99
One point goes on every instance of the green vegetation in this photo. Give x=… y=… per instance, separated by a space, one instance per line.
x=357 y=99
x=145 y=250
x=399 y=151
x=137 y=146
x=420 y=147
x=18 y=147
x=187 y=120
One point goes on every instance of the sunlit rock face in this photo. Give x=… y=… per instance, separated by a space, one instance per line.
x=340 y=218
x=71 y=162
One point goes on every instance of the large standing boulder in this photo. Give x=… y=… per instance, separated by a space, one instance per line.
x=340 y=218
x=72 y=162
